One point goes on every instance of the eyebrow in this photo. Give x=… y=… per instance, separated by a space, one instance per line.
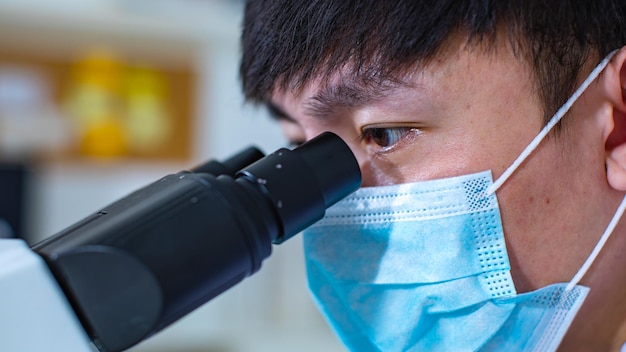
x=333 y=98
x=349 y=93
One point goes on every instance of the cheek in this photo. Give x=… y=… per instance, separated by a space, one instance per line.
x=375 y=175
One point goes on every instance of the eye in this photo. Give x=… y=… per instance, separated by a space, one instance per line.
x=385 y=137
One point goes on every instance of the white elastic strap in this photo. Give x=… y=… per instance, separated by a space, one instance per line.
x=596 y=250
x=553 y=121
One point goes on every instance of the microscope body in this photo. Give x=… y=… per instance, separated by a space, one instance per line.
x=35 y=313
x=152 y=257
x=139 y=264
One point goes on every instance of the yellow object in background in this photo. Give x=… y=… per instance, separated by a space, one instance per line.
x=118 y=110
x=104 y=138
x=147 y=120
x=99 y=68
x=94 y=103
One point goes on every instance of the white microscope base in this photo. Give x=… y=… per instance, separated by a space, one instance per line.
x=34 y=313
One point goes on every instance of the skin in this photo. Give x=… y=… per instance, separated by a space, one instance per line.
x=474 y=109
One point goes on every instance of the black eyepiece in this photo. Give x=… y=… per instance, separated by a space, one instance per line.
x=305 y=181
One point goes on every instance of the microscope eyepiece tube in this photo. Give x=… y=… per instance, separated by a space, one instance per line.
x=304 y=182
x=231 y=165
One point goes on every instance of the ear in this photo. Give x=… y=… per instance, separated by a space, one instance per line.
x=615 y=85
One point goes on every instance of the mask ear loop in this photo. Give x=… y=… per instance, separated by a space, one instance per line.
x=535 y=143
x=553 y=121
x=596 y=250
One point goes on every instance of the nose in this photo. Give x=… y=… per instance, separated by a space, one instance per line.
x=373 y=174
x=368 y=175
x=368 y=178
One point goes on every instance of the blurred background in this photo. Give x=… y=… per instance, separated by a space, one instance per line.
x=100 y=97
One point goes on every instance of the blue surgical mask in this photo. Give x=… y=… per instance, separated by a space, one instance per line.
x=423 y=267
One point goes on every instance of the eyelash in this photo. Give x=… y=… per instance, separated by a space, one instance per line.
x=385 y=137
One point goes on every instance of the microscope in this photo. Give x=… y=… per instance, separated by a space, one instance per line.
x=141 y=263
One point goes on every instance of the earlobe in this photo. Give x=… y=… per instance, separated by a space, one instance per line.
x=616 y=139
x=623 y=82
x=616 y=168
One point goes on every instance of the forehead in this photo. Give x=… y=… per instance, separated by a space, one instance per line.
x=460 y=72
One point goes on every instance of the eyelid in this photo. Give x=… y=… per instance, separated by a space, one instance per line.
x=408 y=124
x=405 y=126
x=408 y=131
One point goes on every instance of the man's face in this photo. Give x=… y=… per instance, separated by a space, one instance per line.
x=468 y=111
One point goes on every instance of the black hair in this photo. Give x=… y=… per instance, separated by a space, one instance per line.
x=285 y=43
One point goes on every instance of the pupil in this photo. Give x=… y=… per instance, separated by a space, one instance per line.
x=381 y=137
